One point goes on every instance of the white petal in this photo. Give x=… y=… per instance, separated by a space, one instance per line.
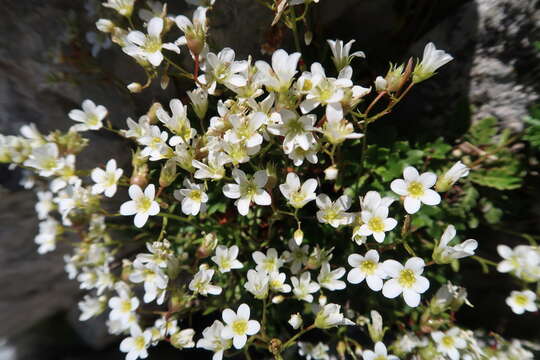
x=391 y=289
x=374 y=282
x=128 y=208
x=411 y=297
x=428 y=179
x=399 y=187
x=392 y=268
x=253 y=327
x=431 y=197
x=239 y=341
x=228 y=316
x=232 y=191
x=262 y=198
x=410 y=174
x=412 y=205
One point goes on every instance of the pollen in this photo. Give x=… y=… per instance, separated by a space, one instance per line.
x=406 y=278
x=240 y=327
x=195 y=195
x=448 y=341
x=368 y=267
x=144 y=203
x=415 y=189
x=521 y=299
x=376 y=224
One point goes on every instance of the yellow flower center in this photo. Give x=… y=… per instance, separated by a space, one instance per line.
x=110 y=179
x=415 y=189
x=448 y=341
x=297 y=198
x=144 y=203
x=406 y=278
x=521 y=299
x=368 y=267
x=125 y=306
x=381 y=357
x=139 y=342
x=331 y=215
x=240 y=327
x=152 y=44
x=376 y=224
x=92 y=120
x=225 y=263
x=195 y=195
x=49 y=164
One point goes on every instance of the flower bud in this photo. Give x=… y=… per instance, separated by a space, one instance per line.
x=323 y=300
x=448 y=296
x=308 y=37
x=298 y=236
x=275 y=347
x=380 y=84
x=272 y=177
x=135 y=87
x=199 y=102
x=278 y=299
x=331 y=173
x=446 y=181
x=296 y=321
x=105 y=25
x=168 y=173
x=152 y=112
x=208 y=245
x=375 y=327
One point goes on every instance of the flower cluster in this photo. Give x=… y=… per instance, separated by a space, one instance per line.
x=232 y=216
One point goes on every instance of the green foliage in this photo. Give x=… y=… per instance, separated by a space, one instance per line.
x=532 y=130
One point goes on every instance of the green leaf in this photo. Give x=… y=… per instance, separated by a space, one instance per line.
x=482 y=132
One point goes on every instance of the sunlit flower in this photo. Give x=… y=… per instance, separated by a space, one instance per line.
x=334 y=213
x=521 y=301
x=238 y=325
x=367 y=267
x=142 y=205
x=416 y=189
x=107 y=179
x=431 y=61
x=449 y=343
x=192 y=197
x=225 y=258
x=298 y=195
x=247 y=189
x=380 y=353
x=90 y=117
x=406 y=279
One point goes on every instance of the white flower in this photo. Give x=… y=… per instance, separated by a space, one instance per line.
x=91 y=306
x=225 y=258
x=523 y=261
x=245 y=129
x=327 y=91
x=449 y=342
x=192 y=197
x=296 y=321
x=137 y=344
x=247 y=189
x=201 y=283
x=276 y=280
x=213 y=341
x=148 y=47
x=222 y=69
x=269 y=262
x=304 y=287
x=521 y=301
x=457 y=171
x=337 y=131
x=311 y=352
x=213 y=169
x=194 y=32
x=376 y=222
x=367 y=267
x=278 y=78
x=45 y=159
x=329 y=279
x=156 y=144
x=297 y=256
x=416 y=189
x=431 y=61
x=238 y=325
x=137 y=129
x=334 y=213
x=107 y=179
x=142 y=205
x=258 y=283
x=123 y=7
x=298 y=195
x=405 y=279
x=154 y=278
x=445 y=254
x=46 y=238
x=373 y=200
x=122 y=306
x=341 y=53
x=178 y=122
x=91 y=116
x=297 y=130
x=183 y=339
x=329 y=316
x=380 y=353
x=44 y=205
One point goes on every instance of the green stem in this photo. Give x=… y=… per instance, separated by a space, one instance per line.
x=291 y=341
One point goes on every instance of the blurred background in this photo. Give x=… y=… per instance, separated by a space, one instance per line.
x=52 y=57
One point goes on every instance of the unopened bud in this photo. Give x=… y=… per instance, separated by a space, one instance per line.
x=298 y=236
x=152 y=112
x=331 y=172
x=199 y=102
x=323 y=300
x=296 y=321
x=380 y=83
x=278 y=299
x=168 y=173
x=183 y=339
x=375 y=327
x=135 y=87
x=208 y=245
x=105 y=25
x=446 y=181
x=308 y=37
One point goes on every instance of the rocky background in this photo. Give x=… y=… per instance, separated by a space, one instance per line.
x=46 y=69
